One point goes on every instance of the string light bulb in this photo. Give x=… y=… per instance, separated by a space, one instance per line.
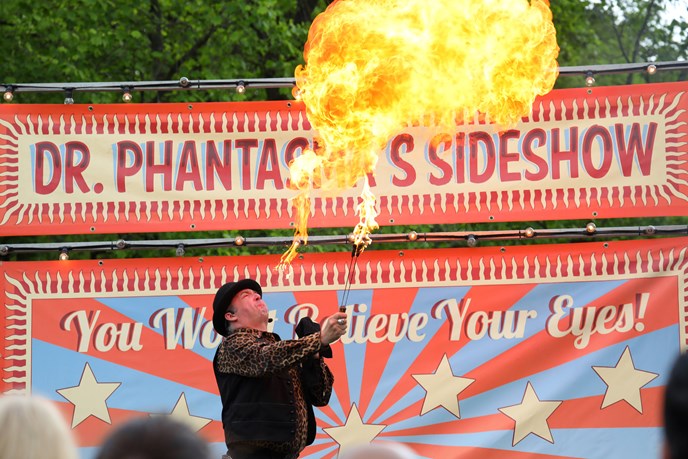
x=126 y=95
x=651 y=69
x=9 y=94
x=64 y=254
x=296 y=93
x=180 y=250
x=68 y=97
x=589 y=79
x=241 y=87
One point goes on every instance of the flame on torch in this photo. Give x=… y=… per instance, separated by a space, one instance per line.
x=374 y=66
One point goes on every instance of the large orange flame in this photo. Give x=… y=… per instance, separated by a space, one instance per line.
x=373 y=66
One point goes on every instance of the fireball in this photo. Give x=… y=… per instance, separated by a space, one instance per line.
x=374 y=66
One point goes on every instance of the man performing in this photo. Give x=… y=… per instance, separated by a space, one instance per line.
x=268 y=387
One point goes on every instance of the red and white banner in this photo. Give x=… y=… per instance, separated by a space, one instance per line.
x=521 y=352
x=582 y=153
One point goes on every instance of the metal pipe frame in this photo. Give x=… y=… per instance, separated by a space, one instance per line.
x=185 y=83
x=470 y=238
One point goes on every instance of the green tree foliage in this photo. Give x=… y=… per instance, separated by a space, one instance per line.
x=156 y=40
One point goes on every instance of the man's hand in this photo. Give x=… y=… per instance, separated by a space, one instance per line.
x=332 y=328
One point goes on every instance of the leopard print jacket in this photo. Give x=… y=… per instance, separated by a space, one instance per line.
x=253 y=353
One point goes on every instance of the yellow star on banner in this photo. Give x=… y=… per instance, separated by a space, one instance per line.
x=442 y=388
x=181 y=413
x=89 y=397
x=531 y=416
x=624 y=382
x=354 y=432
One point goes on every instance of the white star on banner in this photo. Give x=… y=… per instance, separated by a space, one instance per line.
x=624 y=382
x=354 y=432
x=89 y=397
x=530 y=416
x=442 y=388
x=181 y=413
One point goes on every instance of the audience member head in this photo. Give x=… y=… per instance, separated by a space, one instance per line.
x=380 y=450
x=158 y=437
x=676 y=410
x=32 y=427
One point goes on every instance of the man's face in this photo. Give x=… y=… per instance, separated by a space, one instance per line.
x=249 y=310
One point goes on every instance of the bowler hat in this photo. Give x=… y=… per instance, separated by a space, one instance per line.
x=224 y=297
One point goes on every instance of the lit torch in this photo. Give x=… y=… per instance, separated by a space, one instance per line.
x=373 y=66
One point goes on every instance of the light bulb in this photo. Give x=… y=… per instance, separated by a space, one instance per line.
x=8 y=95
x=126 y=97
x=651 y=69
x=64 y=254
x=589 y=80
x=241 y=87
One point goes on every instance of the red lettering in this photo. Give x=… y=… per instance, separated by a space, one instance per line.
x=74 y=171
x=187 y=169
x=126 y=149
x=53 y=169
x=218 y=167
x=540 y=163
x=474 y=139
x=589 y=137
x=165 y=169
x=460 y=164
x=268 y=166
x=403 y=142
x=635 y=148
x=506 y=157
x=297 y=144
x=440 y=142
x=244 y=146
x=570 y=155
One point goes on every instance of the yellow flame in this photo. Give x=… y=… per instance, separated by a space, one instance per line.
x=373 y=66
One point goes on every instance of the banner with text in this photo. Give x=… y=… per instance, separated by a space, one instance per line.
x=549 y=351
x=582 y=153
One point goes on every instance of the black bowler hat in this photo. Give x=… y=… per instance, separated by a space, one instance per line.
x=224 y=297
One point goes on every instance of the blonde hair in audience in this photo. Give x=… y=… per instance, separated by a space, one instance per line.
x=31 y=427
